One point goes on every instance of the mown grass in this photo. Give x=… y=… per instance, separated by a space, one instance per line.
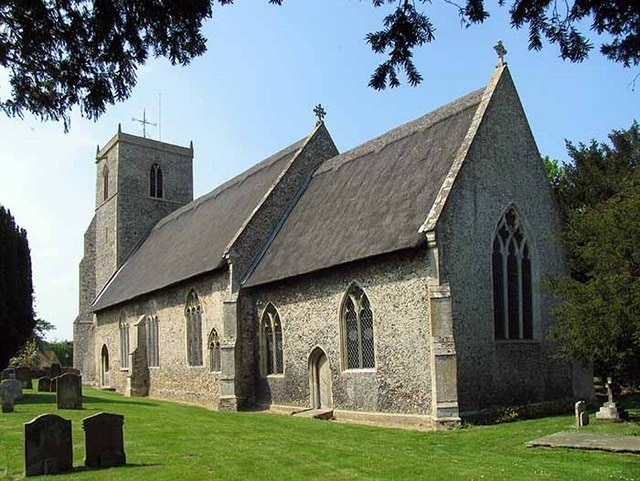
x=166 y=441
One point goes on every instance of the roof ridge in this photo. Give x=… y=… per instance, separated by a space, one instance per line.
x=239 y=178
x=400 y=132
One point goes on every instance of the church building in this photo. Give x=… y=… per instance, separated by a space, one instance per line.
x=398 y=283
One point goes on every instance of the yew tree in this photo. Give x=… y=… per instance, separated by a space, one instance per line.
x=65 y=53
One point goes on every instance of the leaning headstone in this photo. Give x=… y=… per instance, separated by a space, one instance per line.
x=104 y=440
x=609 y=410
x=23 y=374
x=56 y=370
x=582 y=416
x=47 y=445
x=12 y=386
x=69 y=391
x=8 y=373
x=44 y=384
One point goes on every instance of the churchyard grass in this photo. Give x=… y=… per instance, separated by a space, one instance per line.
x=166 y=441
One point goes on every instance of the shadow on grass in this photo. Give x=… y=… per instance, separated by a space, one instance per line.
x=91 y=400
x=78 y=469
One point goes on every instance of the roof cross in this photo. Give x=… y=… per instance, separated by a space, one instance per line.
x=320 y=113
x=501 y=51
x=144 y=122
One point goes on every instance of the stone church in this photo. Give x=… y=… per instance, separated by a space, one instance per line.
x=397 y=283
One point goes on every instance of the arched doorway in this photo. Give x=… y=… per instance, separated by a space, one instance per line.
x=104 y=366
x=320 y=380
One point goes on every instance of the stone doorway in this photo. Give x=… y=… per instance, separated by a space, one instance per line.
x=320 y=380
x=104 y=366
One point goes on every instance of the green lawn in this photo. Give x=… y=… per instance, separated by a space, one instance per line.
x=166 y=441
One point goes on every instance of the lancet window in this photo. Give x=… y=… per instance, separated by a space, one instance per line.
x=193 y=313
x=272 y=348
x=155 y=181
x=357 y=330
x=214 y=351
x=512 y=279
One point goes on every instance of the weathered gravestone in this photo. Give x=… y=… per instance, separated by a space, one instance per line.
x=44 y=384
x=8 y=373
x=104 y=440
x=10 y=390
x=23 y=374
x=69 y=391
x=582 y=416
x=54 y=384
x=56 y=370
x=47 y=445
x=609 y=410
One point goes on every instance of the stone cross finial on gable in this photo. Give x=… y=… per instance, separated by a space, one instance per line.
x=501 y=51
x=320 y=113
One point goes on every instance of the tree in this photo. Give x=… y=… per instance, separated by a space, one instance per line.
x=63 y=53
x=598 y=314
x=16 y=289
x=64 y=351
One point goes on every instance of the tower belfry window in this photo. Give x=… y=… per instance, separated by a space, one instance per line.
x=105 y=183
x=155 y=181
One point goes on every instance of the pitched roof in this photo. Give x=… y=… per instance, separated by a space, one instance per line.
x=370 y=200
x=192 y=240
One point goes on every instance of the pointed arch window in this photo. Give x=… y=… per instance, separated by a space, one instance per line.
x=105 y=183
x=214 y=351
x=155 y=181
x=511 y=274
x=357 y=330
x=124 y=343
x=153 y=357
x=193 y=313
x=272 y=348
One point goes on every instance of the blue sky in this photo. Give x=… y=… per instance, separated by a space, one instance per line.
x=253 y=93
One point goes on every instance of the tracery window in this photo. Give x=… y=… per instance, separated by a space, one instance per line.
x=124 y=344
x=155 y=181
x=105 y=183
x=357 y=330
x=153 y=357
x=214 y=351
x=193 y=314
x=272 y=359
x=511 y=273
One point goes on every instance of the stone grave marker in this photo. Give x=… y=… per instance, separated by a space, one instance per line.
x=23 y=374
x=13 y=386
x=104 y=440
x=47 y=445
x=8 y=394
x=44 y=384
x=8 y=373
x=56 y=370
x=582 y=415
x=609 y=410
x=54 y=384
x=69 y=391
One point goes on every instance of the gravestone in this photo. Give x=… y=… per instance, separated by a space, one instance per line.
x=8 y=373
x=582 y=416
x=44 y=384
x=56 y=370
x=12 y=386
x=54 y=384
x=47 y=445
x=23 y=374
x=7 y=395
x=104 y=440
x=69 y=391
x=609 y=410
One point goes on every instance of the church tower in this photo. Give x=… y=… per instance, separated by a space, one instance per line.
x=138 y=182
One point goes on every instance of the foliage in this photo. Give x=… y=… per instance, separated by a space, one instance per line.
x=553 y=170
x=40 y=330
x=27 y=357
x=64 y=351
x=598 y=316
x=64 y=53
x=16 y=289
x=167 y=441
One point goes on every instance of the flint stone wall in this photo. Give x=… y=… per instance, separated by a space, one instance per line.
x=309 y=309
x=173 y=379
x=503 y=167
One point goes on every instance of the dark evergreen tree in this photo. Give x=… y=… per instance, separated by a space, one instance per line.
x=598 y=314
x=64 y=53
x=16 y=288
